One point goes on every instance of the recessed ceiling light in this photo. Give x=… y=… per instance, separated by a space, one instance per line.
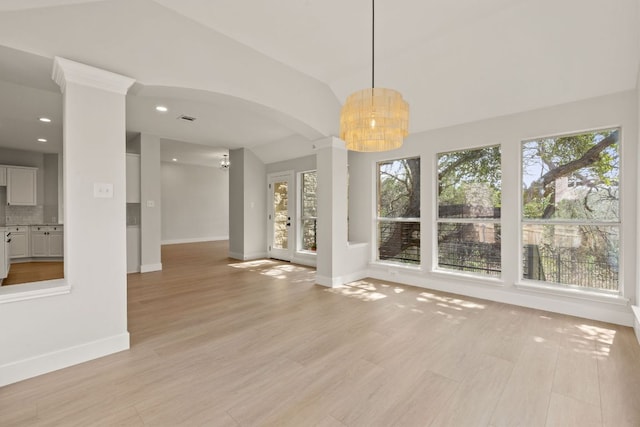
x=161 y=108
x=174 y=160
x=42 y=140
x=45 y=119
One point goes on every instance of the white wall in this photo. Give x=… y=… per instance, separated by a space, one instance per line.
x=613 y=110
x=195 y=203
x=300 y=164
x=47 y=333
x=50 y=184
x=151 y=204
x=247 y=205
x=236 y=203
x=255 y=206
x=636 y=309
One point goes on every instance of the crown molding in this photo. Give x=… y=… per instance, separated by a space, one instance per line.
x=67 y=71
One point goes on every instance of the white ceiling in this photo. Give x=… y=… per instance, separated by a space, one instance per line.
x=271 y=75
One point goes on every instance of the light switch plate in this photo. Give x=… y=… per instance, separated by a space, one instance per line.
x=151 y=204
x=103 y=190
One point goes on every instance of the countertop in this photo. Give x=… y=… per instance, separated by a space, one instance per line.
x=31 y=225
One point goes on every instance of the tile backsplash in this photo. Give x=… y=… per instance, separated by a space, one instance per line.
x=24 y=214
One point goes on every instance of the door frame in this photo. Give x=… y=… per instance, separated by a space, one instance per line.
x=282 y=254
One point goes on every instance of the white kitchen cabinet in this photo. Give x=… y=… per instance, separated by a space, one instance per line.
x=21 y=186
x=47 y=241
x=133 y=178
x=56 y=242
x=3 y=176
x=39 y=242
x=19 y=241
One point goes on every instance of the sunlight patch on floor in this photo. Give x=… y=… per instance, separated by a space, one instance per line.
x=277 y=270
x=362 y=290
x=602 y=338
x=450 y=302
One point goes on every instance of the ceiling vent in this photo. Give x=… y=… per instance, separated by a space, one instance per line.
x=187 y=118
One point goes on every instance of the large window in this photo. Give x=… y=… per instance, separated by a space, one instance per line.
x=308 y=216
x=469 y=193
x=571 y=209
x=398 y=216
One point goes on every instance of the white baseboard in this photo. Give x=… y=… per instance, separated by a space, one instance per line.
x=147 y=268
x=193 y=240
x=335 y=282
x=49 y=362
x=619 y=314
x=247 y=257
x=309 y=261
x=636 y=321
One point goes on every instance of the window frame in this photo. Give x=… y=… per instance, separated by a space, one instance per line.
x=437 y=221
x=300 y=218
x=577 y=291
x=378 y=219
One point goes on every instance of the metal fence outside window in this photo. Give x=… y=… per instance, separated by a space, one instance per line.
x=568 y=266
x=470 y=256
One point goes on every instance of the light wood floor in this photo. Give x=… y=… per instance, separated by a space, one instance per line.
x=25 y=272
x=224 y=343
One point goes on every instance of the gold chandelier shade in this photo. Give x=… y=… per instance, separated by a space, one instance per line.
x=374 y=119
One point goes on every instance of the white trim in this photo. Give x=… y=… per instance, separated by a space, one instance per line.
x=36 y=259
x=147 y=268
x=636 y=321
x=583 y=294
x=489 y=280
x=612 y=310
x=194 y=240
x=335 y=282
x=43 y=363
x=247 y=257
x=65 y=71
x=27 y=291
x=303 y=258
x=413 y=268
x=292 y=193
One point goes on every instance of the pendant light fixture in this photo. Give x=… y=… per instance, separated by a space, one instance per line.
x=224 y=163
x=374 y=119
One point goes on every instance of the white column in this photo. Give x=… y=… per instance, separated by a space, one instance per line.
x=332 y=252
x=150 y=209
x=636 y=307
x=61 y=323
x=247 y=205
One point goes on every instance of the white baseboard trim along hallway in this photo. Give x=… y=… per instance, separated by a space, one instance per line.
x=49 y=362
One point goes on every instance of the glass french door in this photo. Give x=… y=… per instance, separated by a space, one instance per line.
x=281 y=240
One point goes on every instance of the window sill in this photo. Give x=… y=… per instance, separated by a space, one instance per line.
x=306 y=253
x=357 y=244
x=588 y=295
x=494 y=281
x=27 y=291
x=408 y=268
